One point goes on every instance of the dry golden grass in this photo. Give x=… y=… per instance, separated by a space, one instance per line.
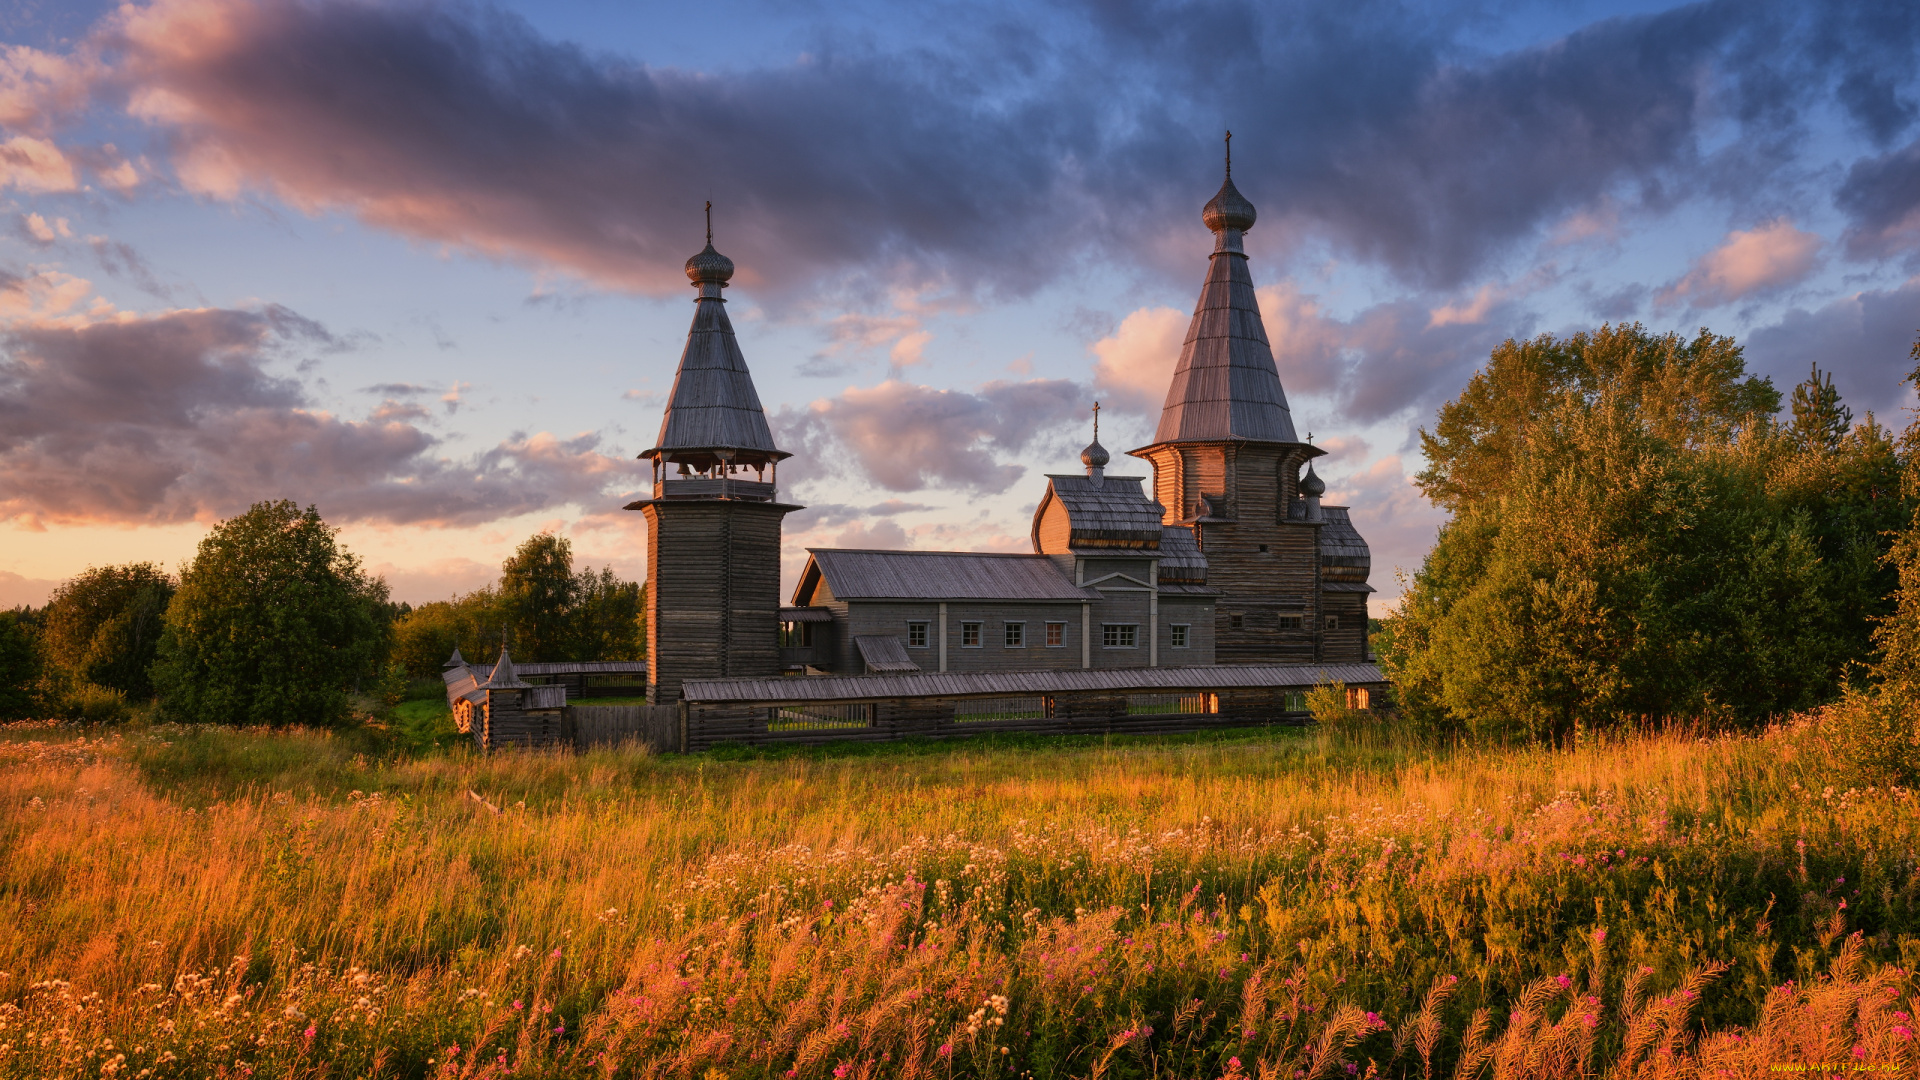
x=179 y=903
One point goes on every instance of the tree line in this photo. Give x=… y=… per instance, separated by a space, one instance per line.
x=1640 y=531
x=273 y=622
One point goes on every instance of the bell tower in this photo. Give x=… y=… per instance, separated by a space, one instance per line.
x=713 y=523
x=1227 y=464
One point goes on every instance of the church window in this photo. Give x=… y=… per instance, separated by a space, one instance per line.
x=1016 y=635
x=1118 y=635
x=1333 y=622
x=1056 y=635
x=1236 y=621
x=916 y=635
x=969 y=635
x=1178 y=634
x=1291 y=622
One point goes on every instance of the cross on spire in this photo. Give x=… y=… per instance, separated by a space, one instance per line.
x=1229 y=155
x=710 y=215
x=1096 y=421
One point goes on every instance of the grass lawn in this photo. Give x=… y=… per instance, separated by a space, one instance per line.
x=1279 y=903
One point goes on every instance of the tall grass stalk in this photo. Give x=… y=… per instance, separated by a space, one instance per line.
x=178 y=903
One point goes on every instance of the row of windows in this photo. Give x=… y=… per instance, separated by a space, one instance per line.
x=1013 y=635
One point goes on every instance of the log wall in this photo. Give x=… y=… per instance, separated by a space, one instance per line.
x=713 y=592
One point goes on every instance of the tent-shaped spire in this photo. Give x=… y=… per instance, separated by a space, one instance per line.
x=1226 y=385
x=504 y=677
x=713 y=415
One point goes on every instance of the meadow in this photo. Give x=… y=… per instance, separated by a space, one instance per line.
x=1283 y=903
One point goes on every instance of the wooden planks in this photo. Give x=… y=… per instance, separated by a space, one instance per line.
x=656 y=726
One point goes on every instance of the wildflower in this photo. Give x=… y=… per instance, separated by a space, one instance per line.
x=556 y=954
x=946 y=1050
x=1859 y=1052
x=841 y=1070
x=309 y=1032
x=1564 y=981
x=517 y=1005
x=1373 y=1018
x=1903 y=1031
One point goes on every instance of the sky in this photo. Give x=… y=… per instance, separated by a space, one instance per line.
x=420 y=264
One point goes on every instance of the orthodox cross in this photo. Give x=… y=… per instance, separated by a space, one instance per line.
x=1229 y=155
x=1096 y=421
x=710 y=222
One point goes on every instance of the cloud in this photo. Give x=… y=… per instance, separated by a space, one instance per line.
x=993 y=161
x=902 y=436
x=1881 y=198
x=1770 y=257
x=35 y=165
x=114 y=416
x=1134 y=365
x=1863 y=339
x=41 y=232
x=17 y=590
x=1399 y=524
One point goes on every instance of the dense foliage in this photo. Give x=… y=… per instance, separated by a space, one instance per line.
x=273 y=623
x=102 y=628
x=1875 y=728
x=541 y=607
x=19 y=667
x=1634 y=535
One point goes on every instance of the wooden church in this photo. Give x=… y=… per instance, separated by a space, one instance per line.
x=1225 y=556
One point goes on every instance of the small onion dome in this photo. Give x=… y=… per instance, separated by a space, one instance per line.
x=1311 y=484
x=1228 y=210
x=709 y=265
x=1094 y=456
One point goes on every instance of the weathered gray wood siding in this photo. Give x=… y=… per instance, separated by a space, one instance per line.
x=713 y=591
x=655 y=726
x=1197 y=613
x=503 y=721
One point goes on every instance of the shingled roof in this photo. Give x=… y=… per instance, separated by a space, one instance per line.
x=935 y=575
x=1226 y=385
x=713 y=406
x=1111 y=511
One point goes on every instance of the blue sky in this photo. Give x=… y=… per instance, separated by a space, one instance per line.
x=418 y=264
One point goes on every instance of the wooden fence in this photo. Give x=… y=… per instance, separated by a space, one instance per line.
x=1063 y=713
x=657 y=726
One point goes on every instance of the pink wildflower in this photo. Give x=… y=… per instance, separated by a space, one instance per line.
x=841 y=1070
x=309 y=1032
x=517 y=1005
x=556 y=954
x=1233 y=1064
x=1373 y=1018
x=946 y=1050
x=1859 y=1052
x=1903 y=1031
x=1564 y=981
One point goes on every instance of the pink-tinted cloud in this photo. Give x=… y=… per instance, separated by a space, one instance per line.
x=1773 y=256
x=903 y=436
x=35 y=165
x=111 y=416
x=1134 y=365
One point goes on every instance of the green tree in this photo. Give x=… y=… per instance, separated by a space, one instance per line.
x=428 y=634
x=1620 y=546
x=273 y=623
x=609 y=617
x=537 y=594
x=19 y=667
x=1685 y=393
x=103 y=627
x=1820 y=421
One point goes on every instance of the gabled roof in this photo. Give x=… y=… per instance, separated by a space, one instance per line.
x=1112 y=512
x=884 y=654
x=1226 y=385
x=935 y=575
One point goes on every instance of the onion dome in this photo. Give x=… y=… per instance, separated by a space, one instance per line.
x=709 y=266
x=1311 y=484
x=1094 y=456
x=1229 y=209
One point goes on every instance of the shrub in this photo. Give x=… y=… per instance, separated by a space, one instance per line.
x=103 y=626
x=19 y=668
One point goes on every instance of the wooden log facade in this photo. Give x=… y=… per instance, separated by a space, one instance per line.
x=713 y=591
